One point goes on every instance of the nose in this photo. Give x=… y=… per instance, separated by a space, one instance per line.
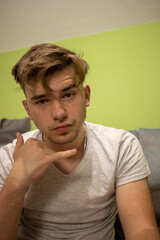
x=58 y=111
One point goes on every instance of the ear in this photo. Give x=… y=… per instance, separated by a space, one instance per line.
x=25 y=105
x=87 y=94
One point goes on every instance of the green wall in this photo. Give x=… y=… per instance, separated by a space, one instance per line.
x=124 y=77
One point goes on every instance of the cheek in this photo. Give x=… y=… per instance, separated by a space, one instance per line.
x=80 y=109
x=76 y=107
x=41 y=121
x=38 y=116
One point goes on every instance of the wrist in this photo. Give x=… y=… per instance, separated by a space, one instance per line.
x=15 y=183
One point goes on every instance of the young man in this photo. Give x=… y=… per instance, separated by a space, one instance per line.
x=66 y=179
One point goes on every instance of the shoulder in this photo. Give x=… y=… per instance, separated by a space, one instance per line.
x=32 y=134
x=109 y=134
x=117 y=142
x=108 y=140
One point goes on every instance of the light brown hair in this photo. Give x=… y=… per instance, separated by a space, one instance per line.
x=41 y=61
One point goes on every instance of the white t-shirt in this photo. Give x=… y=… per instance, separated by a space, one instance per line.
x=80 y=205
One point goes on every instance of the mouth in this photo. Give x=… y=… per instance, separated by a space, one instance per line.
x=62 y=128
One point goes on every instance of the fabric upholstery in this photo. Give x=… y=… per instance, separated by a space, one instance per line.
x=150 y=141
x=10 y=127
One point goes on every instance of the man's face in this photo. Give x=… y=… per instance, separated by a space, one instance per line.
x=59 y=114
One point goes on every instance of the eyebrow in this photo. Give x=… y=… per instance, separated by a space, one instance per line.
x=68 y=87
x=37 y=97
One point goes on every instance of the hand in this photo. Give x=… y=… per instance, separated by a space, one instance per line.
x=32 y=158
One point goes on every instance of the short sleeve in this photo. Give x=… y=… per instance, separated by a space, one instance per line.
x=131 y=163
x=6 y=162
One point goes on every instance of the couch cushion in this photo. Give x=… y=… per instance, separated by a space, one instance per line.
x=150 y=141
x=10 y=127
x=134 y=132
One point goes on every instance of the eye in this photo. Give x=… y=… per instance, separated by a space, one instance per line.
x=42 y=101
x=69 y=95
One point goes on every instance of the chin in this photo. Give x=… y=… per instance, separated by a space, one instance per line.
x=62 y=140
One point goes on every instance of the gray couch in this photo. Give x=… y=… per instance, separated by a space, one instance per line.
x=10 y=127
x=150 y=142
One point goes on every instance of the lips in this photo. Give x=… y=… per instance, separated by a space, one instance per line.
x=62 y=127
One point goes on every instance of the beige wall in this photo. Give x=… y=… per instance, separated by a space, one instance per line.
x=26 y=22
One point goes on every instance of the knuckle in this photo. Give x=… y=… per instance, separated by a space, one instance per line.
x=31 y=141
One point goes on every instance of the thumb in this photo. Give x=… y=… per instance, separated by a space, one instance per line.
x=62 y=155
x=19 y=144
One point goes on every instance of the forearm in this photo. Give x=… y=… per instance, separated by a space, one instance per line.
x=147 y=234
x=11 y=202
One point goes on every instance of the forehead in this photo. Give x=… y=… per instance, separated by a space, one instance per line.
x=59 y=81
x=62 y=78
